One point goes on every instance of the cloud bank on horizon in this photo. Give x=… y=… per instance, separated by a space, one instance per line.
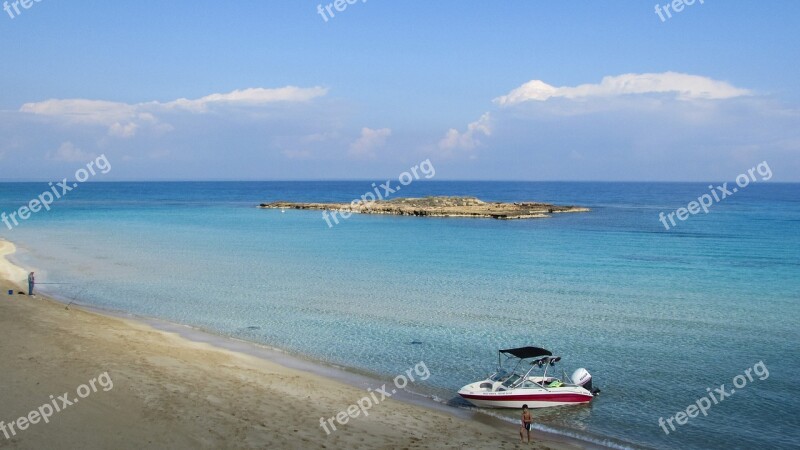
x=535 y=131
x=650 y=118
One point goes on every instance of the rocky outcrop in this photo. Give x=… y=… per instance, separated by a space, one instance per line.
x=438 y=207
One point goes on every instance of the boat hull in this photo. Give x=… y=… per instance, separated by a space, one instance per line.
x=515 y=398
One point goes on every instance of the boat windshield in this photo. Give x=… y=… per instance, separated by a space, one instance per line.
x=511 y=380
x=499 y=375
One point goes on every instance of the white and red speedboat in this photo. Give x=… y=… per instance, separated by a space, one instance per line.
x=521 y=386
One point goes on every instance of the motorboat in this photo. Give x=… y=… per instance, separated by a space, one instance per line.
x=527 y=376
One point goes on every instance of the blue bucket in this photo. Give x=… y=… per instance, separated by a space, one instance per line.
x=10 y=292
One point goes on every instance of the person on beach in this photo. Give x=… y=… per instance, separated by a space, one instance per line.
x=31 y=282
x=526 y=424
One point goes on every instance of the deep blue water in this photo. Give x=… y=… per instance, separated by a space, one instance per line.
x=656 y=316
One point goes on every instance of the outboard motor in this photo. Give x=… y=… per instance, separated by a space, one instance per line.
x=581 y=377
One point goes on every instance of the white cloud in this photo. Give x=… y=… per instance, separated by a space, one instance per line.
x=634 y=127
x=82 y=111
x=683 y=86
x=467 y=140
x=621 y=94
x=68 y=152
x=248 y=97
x=124 y=131
x=124 y=120
x=369 y=141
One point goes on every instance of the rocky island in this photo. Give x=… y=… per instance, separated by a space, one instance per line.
x=438 y=207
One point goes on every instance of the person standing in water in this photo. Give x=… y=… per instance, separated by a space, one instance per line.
x=31 y=282
x=526 y=424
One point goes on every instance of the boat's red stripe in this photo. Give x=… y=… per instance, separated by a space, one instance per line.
x=565 y=398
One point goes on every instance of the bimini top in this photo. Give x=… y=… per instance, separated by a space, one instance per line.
x=527 y=352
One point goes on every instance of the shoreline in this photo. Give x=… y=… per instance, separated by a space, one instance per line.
x=339 y=373
x=427 y=422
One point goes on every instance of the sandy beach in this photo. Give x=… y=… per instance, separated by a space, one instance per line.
x=139 y=387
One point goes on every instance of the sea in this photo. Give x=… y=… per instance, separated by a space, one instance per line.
x=661 y=318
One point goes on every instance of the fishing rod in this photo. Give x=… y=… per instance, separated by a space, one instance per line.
x=72 y=299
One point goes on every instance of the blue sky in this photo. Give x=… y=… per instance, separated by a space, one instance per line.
x=485 y=90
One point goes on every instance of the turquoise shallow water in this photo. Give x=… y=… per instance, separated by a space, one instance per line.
x=656 y=316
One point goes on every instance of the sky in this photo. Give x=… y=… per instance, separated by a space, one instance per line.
x=298 y=90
